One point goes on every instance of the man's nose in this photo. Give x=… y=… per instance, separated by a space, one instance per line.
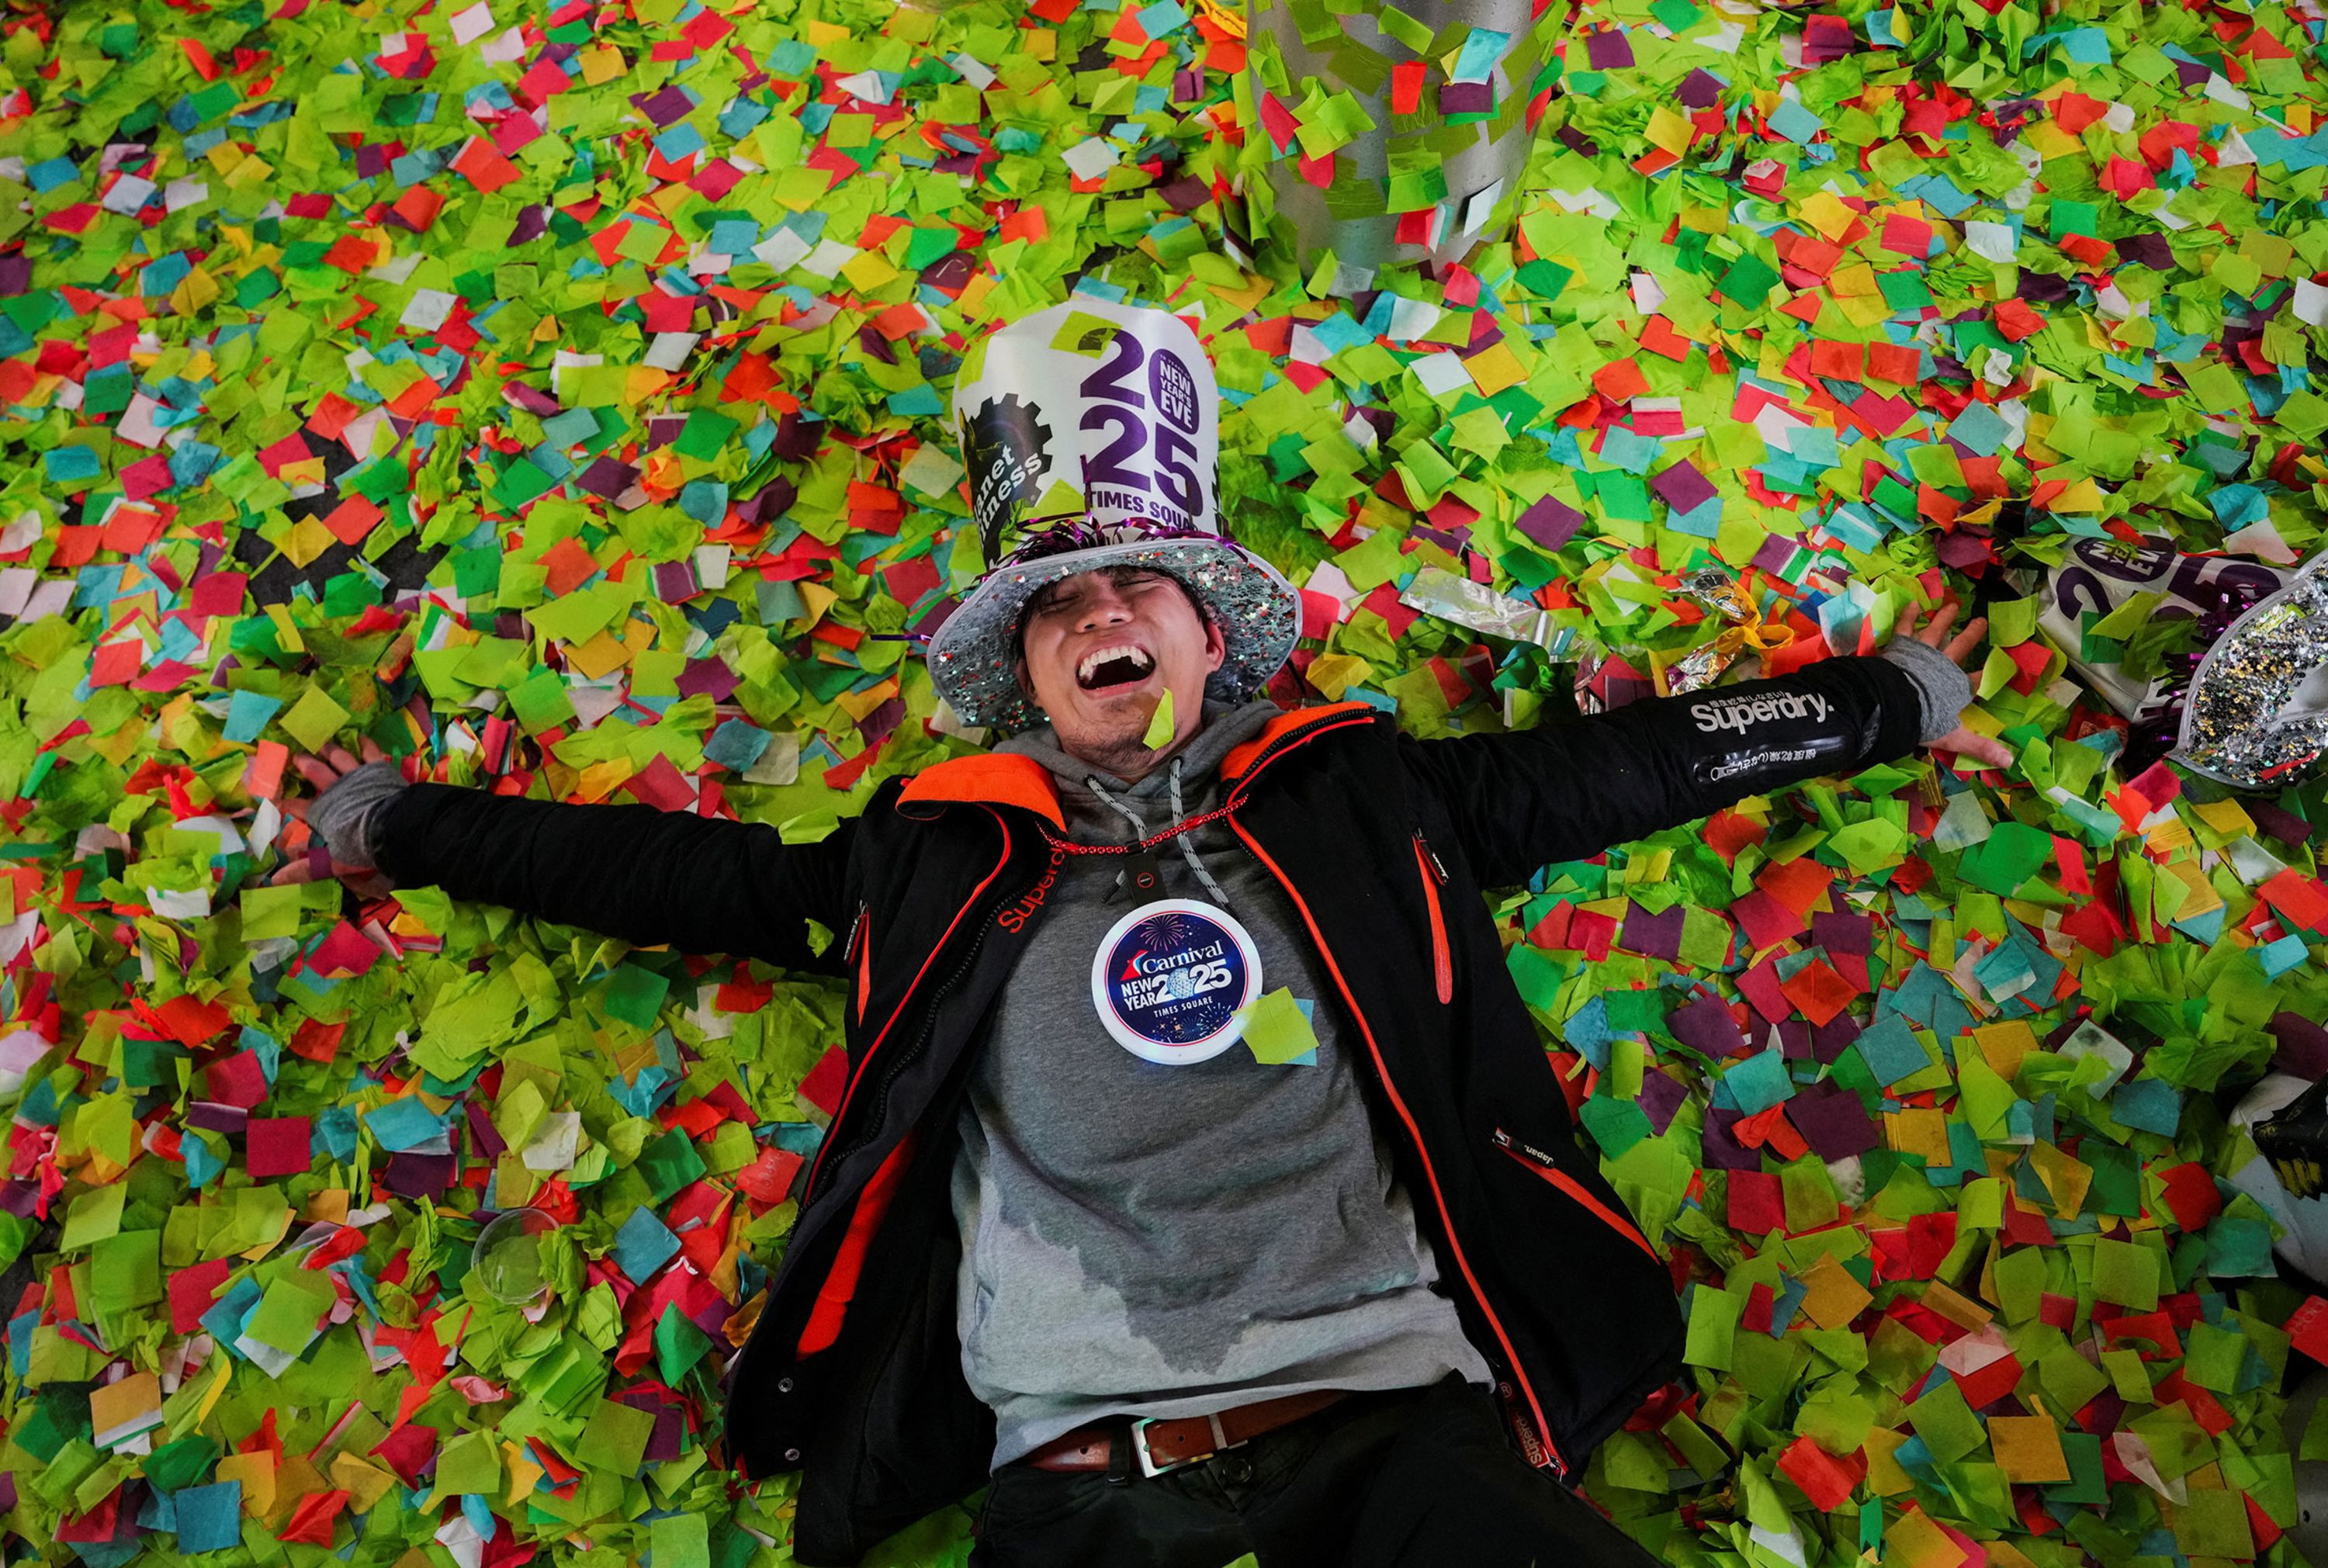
x=1105 y=608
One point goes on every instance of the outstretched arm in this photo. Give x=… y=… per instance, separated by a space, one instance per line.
x=650 y=876
x=1567 y=791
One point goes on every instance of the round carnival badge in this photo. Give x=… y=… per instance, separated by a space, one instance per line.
x=1169 y=979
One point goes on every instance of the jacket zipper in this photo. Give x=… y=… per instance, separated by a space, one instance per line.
x=1543 y=1427
x=1277 y=748
x=890 y=1075
x=1542 y=1165
x=1434 y=877
x=890 y=1071
x=860 y=949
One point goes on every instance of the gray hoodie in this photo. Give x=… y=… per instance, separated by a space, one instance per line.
x=1172 y=1240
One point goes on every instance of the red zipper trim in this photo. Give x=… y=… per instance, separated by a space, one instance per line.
x=920 y=975
x=840 y=1281
x=1447 y=1222
x=1577 y=1190
x=1443 y=966
x=865 y=964
x=1237 y=792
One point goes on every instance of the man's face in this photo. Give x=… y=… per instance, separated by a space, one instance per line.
x=1099 y=649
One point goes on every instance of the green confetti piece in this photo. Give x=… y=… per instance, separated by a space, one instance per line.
x=313 y=720
x=1277 y=1029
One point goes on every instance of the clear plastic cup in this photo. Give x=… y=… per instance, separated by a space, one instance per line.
x=508 y=1257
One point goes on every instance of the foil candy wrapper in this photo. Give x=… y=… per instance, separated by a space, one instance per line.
x=1605 y=679
x=1719 y=591
x=2257 y=713
x=1436 y=591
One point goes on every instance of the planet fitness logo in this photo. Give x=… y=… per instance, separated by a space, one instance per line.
x=1170 y=979
x=1004 y=447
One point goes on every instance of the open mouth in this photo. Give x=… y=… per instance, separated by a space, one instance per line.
x=1121 y=664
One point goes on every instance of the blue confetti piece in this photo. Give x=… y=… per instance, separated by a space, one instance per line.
x=247 y=716
x=71 y=463
x=643 y=1246
x=1799 y=125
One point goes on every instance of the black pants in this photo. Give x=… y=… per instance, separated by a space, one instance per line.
x=1409 y=1477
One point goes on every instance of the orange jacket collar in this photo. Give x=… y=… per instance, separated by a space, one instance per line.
x=1241 y=758
x=992 y=778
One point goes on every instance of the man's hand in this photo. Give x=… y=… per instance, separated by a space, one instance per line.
x=322 y=773
x=1960 y=650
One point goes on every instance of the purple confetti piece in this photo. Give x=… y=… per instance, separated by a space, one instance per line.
x=1682 y=487
x=1653 y=935
x=1699 y=89
x=1964 y=548
x=881 y=721
x=1833 y=1122
x=1185 y=195
x=1853 y=934
x=2303 y=1045
x=213 y=1117
x=1774 y=552
x=607 y=478
x=672 y=104
x=408 y=1175
x=532 y=399
x=1830 y=1039
x=1659 y=1098
x=490 y=1143
x=1551 y=522
x=1705 y=1026
x=1610 y=51
x=2286 y=826
x=950 y=272
x=706 y=678
x=1722 y=1150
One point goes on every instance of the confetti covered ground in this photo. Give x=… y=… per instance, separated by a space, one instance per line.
x=556 y=395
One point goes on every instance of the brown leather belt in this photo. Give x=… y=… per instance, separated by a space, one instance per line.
x=1163 y=1445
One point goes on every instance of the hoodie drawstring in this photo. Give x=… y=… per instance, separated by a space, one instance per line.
x=1140 y=829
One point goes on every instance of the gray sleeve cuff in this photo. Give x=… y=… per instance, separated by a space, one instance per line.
x=1943 y=689
x=344 y=815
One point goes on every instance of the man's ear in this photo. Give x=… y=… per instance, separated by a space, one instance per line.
x=1216 y=647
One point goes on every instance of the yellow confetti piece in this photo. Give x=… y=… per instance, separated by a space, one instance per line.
x=1669 y=130
x=1494 y=368
x=1160 y=727
x=2028 y=1449
x=1826 y=212
x=1832 y=1297
x=255 y=1471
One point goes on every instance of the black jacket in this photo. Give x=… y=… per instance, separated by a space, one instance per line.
x=1382 y=844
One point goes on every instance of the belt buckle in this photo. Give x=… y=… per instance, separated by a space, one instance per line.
x=1149 y=1466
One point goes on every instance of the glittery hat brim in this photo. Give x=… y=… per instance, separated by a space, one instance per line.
x=1259 y=613
x=2246 y=722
